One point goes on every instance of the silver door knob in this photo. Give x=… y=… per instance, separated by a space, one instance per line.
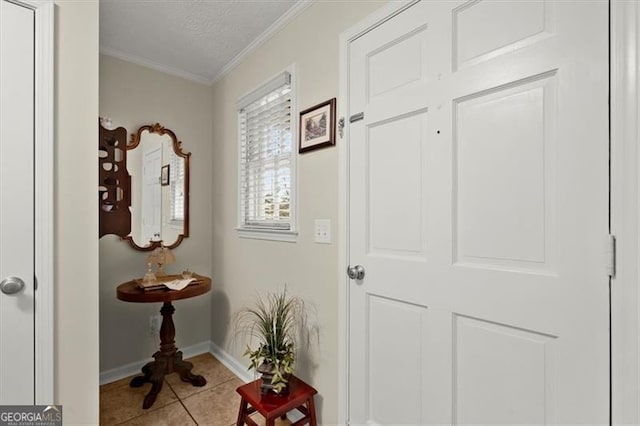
x=355 y=272
x=11 y=285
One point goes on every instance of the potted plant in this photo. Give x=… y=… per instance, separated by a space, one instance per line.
x=275 y=322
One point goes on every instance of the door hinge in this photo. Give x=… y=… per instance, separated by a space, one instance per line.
x=611 y=255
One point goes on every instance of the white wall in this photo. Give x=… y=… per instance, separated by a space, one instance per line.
x=310 y=270
x=133 y=96
x=76 y=215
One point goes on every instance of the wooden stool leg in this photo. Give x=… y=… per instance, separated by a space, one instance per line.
x=271 y=422
x=312 y=411
x=242 y=412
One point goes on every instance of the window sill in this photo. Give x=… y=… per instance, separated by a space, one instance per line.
x=268 y=234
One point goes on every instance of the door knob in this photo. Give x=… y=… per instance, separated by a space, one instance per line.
x=11 y=285
x=355 y=272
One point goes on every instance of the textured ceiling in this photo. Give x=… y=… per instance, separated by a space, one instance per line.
x=192 y=38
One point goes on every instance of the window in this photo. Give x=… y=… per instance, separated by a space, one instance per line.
x=266 y=155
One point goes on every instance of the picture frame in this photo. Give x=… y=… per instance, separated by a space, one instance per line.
x=318 y=126
x=164 y=175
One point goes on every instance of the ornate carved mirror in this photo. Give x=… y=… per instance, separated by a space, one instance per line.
x=159 y=172
x=114 y=186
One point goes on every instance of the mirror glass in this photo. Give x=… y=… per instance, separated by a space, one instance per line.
x=159 y=172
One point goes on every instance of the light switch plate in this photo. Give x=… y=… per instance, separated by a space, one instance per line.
x=322 y=231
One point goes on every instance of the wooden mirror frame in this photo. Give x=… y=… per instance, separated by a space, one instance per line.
x=177 y=149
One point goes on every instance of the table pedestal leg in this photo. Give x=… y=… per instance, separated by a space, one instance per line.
x=166 y=361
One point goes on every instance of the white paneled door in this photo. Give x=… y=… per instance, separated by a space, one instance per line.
x=16 y=204
x=152 y=195
x=478 y=208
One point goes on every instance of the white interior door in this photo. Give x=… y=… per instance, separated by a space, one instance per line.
x=152 y=195
x=478 y=207
x=16 y=203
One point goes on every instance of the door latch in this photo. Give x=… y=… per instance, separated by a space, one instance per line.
x=356 y=117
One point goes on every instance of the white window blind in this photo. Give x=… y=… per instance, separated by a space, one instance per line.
x=265 y=172
x=176 y=182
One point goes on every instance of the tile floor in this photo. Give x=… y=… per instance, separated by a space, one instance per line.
x=178 y=403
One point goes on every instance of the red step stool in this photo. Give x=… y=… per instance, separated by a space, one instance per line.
x=273 y=406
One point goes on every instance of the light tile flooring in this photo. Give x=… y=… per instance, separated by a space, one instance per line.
x=178 y=403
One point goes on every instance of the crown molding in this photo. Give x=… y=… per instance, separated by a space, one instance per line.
x=155 y=66
x=294 y=11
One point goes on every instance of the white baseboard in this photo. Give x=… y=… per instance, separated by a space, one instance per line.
x=134 y=367
x=231 y=363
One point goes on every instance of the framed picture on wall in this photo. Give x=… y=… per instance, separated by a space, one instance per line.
x=164 y=175
x=318 y=126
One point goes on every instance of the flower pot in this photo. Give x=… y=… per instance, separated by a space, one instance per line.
x=267 y=386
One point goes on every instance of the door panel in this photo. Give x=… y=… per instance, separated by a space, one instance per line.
x=486 y=29
x=386 y=317
x=478 y=206
x=395 y=217
x=16 y=202
x=518 y=365
x=506 y=219
x=152 y=196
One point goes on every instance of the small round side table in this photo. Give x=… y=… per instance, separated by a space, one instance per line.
x=168 y=359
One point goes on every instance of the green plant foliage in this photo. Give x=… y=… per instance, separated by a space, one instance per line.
x=273 y=322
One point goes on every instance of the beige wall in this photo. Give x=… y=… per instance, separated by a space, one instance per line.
x=76 y=220
x=133 y=96
x=310 y=270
